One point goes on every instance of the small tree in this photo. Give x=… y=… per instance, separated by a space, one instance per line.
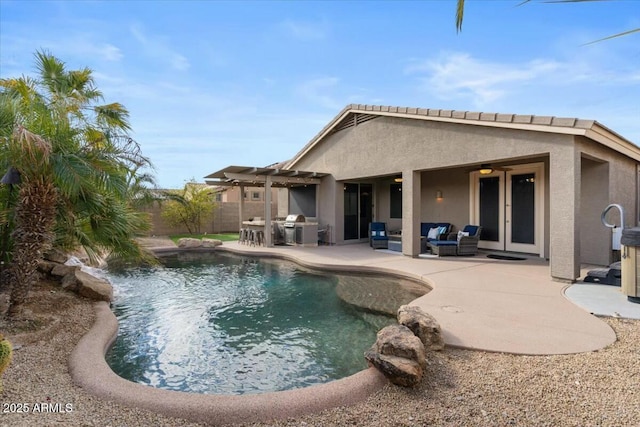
x=190 y=206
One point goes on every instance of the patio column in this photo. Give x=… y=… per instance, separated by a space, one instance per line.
x=267 y=212
x=411 y=192
x=564 y=222
x=241 y=205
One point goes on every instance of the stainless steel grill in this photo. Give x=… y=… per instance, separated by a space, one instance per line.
x=291 y=220
x=290 y=228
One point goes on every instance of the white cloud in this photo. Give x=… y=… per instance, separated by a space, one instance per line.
x=318 y=91
x=459 y=75
x=157 y=48
x=110 y=52
x=305 y=30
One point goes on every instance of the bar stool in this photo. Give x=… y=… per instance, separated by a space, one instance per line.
x=244 y=236
x=259 y=236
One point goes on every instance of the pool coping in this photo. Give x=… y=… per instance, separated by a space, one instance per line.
x=89 y=370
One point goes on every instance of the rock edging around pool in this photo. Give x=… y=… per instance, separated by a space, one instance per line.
x=89 y=370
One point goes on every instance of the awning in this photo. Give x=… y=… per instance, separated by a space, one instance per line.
x=257 y=177
x=262 y=177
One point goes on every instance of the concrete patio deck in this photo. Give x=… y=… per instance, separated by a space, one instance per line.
x=481 y=303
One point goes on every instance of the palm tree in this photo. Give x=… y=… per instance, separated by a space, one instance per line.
x=75 y=160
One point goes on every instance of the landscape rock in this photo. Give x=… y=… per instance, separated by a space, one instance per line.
x=61 y=270
x=399 y=341
x=210 y=243
x=70 y=282
x=189 y=243
x=56 y=256
x=45 y=266
x=92 y=287
x=399 y=355
x=400 y=371
x=423 y=325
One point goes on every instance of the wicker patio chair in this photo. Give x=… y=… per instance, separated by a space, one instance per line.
x=468 y=245
x=378 y=235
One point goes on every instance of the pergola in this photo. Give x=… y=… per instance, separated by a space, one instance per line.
x=268 y=178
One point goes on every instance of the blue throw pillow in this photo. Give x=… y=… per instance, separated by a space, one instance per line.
x=471 y=229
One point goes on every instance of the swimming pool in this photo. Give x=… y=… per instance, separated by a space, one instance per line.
x=224 y=324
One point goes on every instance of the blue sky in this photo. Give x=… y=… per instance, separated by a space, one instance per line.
x=212 y=83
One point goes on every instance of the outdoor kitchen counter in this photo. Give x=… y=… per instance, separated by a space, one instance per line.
x=308 y=230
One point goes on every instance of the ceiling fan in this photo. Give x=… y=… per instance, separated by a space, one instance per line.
x=487 y=168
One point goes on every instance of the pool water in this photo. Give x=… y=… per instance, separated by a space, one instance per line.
x=224 y=324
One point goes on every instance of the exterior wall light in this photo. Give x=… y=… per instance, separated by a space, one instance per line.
x=397 y=179
x=438 y=195
x=485 y=169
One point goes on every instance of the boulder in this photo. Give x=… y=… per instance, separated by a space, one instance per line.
x=399 y=341
x=45 y=266
x=70 y=282
x=400 y=371
x=210 y=243
x=423 y=325
x=61 y=270
x=56 y=255
x=89 y=286
x=399 y=355
x=189 y=242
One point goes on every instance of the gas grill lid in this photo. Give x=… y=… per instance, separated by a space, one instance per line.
x=294 y=218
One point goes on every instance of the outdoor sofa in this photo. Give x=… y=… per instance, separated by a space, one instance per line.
x=435 y=230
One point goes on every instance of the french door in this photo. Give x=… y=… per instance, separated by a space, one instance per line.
x=358 y=212
x=509 y=205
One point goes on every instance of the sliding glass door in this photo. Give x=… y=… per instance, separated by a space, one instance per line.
x=358 y=212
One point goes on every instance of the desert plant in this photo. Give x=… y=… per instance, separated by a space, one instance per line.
x=6 y=352
x=190 y=207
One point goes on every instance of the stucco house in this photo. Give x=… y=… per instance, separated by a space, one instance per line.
x=536 y=184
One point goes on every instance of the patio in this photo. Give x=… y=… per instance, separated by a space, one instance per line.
x=481 y=303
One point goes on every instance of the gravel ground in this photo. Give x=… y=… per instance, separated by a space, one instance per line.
x=461 y=388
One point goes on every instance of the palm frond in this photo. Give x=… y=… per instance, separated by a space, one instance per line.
x=459 y=15
x=113 y=115
x=624 y=33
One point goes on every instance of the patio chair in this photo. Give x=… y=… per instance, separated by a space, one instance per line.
x=378 y=235
x=468 y=244
x=465 y=242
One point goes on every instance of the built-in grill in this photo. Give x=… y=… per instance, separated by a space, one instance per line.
x=290 y=221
